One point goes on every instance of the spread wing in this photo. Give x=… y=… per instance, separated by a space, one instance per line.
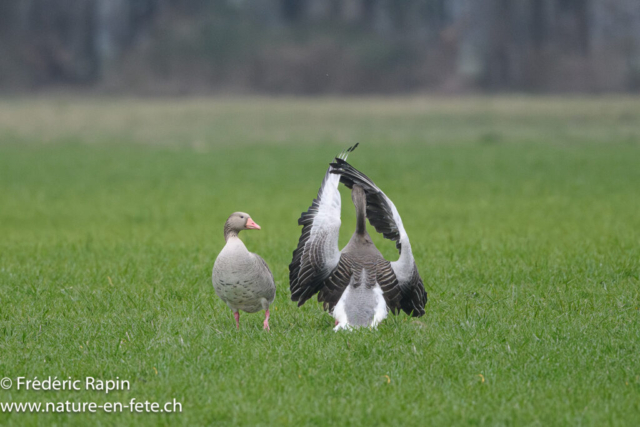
x=317 y=253
x=384 y=217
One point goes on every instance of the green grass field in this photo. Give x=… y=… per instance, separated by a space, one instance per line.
x=523 y=213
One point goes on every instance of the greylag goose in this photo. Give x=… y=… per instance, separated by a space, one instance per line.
x=240 y=278
x=356 y=285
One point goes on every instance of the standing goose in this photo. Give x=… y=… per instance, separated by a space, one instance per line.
x=356 y=285
x=240 y=278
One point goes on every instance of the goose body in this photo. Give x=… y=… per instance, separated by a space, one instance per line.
x=356 y=285
x=241 y=278
x=362 y=302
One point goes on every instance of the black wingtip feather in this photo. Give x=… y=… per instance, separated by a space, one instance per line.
x=378 y=211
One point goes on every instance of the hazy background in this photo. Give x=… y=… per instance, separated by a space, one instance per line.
x=319 y=46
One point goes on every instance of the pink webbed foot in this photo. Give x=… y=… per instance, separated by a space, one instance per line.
x=266 y=320
x=336 y=323
x=236 y=315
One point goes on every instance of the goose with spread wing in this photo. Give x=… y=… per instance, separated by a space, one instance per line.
x=356 y=284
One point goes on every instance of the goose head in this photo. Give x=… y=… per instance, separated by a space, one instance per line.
x=237 y=222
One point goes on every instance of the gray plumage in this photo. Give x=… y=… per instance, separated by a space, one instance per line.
x=356 y=285
x=362 y=287
x=384 y=216
x=241 y=278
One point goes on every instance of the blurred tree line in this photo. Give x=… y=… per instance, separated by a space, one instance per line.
x=320 y=46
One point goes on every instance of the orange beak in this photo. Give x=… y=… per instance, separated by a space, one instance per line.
x=251 y=225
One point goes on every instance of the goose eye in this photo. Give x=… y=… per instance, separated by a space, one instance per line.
x=241 y=217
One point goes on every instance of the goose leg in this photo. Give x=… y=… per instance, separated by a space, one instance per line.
x=266 y=320
x=236 y=315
